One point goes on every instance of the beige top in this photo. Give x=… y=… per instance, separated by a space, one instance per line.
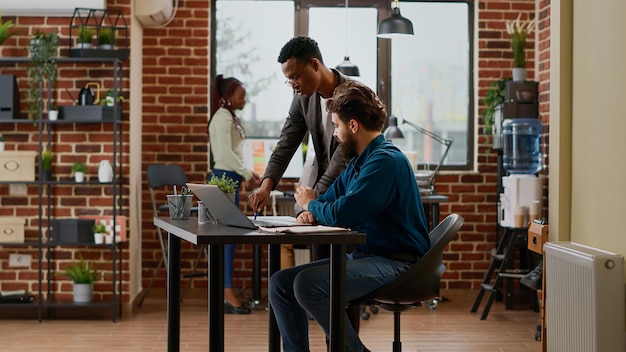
x=227 y=144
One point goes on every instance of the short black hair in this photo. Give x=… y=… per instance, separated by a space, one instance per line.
x=302 y=48
x=355 y=100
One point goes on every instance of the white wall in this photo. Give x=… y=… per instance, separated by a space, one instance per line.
x=598 y=125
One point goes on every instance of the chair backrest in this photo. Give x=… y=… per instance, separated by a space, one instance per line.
x=164 y=175
x=421 y=282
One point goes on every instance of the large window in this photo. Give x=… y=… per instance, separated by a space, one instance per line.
x=425 y=79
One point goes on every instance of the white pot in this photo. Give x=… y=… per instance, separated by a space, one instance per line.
x=519 y=74
x=83 y=293
x=106 y=46
x=84 y=46
x=98 y=238
x=79 y=176
x=53 y=115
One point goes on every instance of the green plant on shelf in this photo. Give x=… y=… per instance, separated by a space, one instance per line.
x=7 y=30
x=46 y=160
x=42 y=71
x=99 y=228
x=83 y=272
x=85 y=35
x=79 y=167
x=106 y=36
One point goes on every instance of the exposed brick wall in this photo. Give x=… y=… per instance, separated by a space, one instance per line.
x=88 y=143
x=175 y=112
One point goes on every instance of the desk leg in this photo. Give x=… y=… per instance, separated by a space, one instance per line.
x=274 y=333
x=173 y=294
x=337 y=298
x=216 y=298
x=256 y=276
x=435 y=215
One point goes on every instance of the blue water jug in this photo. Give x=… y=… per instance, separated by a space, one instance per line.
x=521 y=145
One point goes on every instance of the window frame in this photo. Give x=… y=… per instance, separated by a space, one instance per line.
x=384 y=56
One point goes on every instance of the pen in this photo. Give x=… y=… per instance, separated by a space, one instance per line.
x=255 y=214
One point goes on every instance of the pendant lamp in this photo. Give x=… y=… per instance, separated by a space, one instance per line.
x=396 y=25
x=347 y=67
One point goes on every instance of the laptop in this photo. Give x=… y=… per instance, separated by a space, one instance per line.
x=223 y=208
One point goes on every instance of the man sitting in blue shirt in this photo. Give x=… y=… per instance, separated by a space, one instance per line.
x=376 y=195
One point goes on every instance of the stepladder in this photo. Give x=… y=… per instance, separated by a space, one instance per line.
x=502 y=271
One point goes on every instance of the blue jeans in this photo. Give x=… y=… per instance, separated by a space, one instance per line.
x=229 y=249
x=306 y=288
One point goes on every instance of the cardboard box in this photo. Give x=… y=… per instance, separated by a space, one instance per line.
x=12 y=229
x=537 y=236
x=17 y=165
x=72 y=231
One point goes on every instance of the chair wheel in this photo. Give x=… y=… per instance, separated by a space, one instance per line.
x=365 y=315
x=432 y=305
x=374 y=309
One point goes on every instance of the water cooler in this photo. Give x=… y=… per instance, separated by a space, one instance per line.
x=520 y=190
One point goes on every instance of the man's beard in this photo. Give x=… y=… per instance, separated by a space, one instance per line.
x=347 y=148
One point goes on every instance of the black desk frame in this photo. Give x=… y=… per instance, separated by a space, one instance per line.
x=216 y=236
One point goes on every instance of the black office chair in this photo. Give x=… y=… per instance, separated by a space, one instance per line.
x=420 y=283
x=160 y=176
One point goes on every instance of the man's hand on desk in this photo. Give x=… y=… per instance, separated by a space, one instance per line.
x=261 y=197
x=306 y=217
x=303 y=196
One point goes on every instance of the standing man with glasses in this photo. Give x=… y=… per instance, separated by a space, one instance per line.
x=313 y=83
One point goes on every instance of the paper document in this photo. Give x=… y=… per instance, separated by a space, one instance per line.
x=304 y=229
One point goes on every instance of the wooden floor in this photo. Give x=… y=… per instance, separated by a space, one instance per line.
x=450 y=327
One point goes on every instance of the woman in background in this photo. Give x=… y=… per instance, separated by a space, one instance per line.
x=226 y=135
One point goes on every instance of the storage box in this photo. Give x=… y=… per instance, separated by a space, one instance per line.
x=11 y=229
x=72 y=230
x=17 y=165
x=90 y=113
x=537 y=236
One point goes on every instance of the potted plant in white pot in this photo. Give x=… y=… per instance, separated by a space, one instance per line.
x=106 y=38
x=79 y=169
x=83 y=274
x=99 y=233
x=42 y=70
x=226 y=184
x=519 y=31
x=85 y=36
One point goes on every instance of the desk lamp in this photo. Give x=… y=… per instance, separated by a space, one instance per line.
x=394 y=132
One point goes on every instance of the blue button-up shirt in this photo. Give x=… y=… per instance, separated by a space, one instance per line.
x=377 y=195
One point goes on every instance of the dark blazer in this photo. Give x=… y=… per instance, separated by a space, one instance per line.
x=305 y=115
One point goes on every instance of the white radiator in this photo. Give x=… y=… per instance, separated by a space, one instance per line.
x=584 y=303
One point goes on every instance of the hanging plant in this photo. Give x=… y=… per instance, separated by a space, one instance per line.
x=42 y=71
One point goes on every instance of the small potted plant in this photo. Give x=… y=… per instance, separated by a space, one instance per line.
x=46 y=165
x=83 y=274
x=53 y=113
x=519 y=31
x=226 y=184
x=106 y=38
x=85 y=35
x=6 y=30
x=109 y=99
x=79 y=169
x=42 y=70
x=99 y=233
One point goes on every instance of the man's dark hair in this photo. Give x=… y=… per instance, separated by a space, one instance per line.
x=355 y=100
x=302 y=48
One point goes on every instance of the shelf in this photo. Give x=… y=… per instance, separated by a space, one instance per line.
x=19 y=244
x=71 y=304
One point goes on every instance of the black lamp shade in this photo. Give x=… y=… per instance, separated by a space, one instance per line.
x=396 y=25
x=392 y=131
x=348 y=68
